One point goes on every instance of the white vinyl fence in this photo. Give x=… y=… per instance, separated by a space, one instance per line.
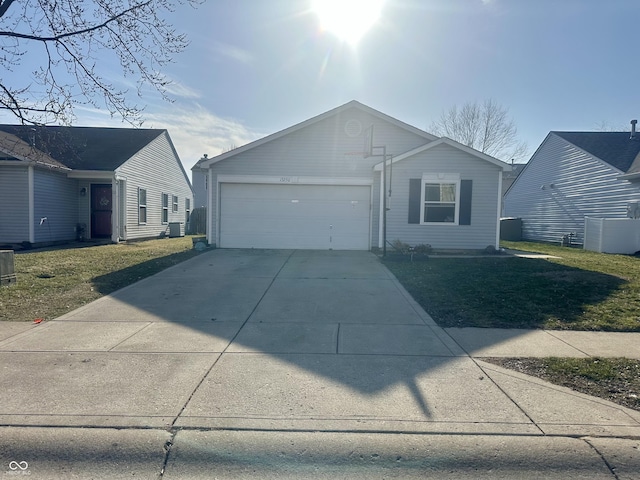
x=612 y=235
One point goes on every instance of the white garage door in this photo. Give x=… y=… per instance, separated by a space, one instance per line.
x=294 y=216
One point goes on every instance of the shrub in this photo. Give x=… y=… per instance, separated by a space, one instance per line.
x=401 y=247
x=423 y=249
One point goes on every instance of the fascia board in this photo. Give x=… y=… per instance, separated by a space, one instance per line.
x=447 y=141
x=98 y=174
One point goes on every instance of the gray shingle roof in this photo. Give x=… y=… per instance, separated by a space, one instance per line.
x=615 y=148
x=16 y=149
x=85 y=148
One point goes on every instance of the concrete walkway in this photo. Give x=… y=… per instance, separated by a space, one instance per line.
x=294 y=364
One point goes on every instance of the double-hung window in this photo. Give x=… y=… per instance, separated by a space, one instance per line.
x=142 y=206
x=174 y=203
x=165 y=208
x=440 y=198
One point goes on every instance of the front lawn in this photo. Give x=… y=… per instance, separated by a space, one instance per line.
x=55 y=281
x=579 y=291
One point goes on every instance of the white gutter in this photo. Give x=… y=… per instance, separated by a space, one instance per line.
x=92 y=174
x=210 y=238
x=380 y=215
x=499 y=211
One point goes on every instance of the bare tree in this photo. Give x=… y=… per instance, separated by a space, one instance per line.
x=51 y=52
x=605 y=126
x=485 y=127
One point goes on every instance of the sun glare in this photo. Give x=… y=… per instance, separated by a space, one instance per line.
x=349 y=20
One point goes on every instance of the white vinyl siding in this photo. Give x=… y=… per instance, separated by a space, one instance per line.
x=14 y=204
x=199 y=185
x=482 y=230
x=560 y=186
x=155 y=168
x=55 y=205
x=56 y=199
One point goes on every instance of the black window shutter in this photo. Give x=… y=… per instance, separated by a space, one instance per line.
x=415 y=190
x=465 y=202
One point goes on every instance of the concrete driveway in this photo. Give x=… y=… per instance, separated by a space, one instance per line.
x=243 y=360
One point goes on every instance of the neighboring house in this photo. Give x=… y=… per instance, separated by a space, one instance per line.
x=311 y=187
x=510 y=176
x=571 y=176
x=59 y=184
x=199 y=185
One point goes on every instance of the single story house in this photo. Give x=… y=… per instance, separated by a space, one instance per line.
x=59 y=184
x=319 y=185
x=572 y=176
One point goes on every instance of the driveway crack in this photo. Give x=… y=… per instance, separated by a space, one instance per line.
x=167 y=449
x=206 y=374
x=533 y=422
x=608 y=465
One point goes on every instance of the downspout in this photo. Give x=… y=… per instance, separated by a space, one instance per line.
x=121 y=201
x=31 y=202
x=115 y=210
x=380 y=215
x=499 y=210
x=209 y=219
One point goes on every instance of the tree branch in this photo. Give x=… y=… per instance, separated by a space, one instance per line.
x=4 y=6
x=62 y=36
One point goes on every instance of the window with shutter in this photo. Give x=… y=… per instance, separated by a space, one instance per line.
x=440 y=199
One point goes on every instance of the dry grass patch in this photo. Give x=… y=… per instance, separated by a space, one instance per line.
x=614 y=379
x=55 y=281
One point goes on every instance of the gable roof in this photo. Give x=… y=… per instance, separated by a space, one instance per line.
x=451 y=143
x=615 y=148
x=85 y=148
x=206 y=162
x=14 y=149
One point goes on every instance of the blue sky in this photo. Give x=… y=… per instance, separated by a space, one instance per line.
x=257 y=66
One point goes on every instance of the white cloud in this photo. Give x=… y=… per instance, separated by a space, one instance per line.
x=235 y=53
x=195 y=131
x=177 y=89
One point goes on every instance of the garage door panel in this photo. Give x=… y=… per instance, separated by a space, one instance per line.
x=294 y=216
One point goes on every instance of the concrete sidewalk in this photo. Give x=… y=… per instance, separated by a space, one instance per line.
x=290 y=364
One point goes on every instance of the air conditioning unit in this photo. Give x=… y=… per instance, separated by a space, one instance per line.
x=7 y=272
x=175 y=230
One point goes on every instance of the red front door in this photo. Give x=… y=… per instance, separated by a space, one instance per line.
x=101 y=207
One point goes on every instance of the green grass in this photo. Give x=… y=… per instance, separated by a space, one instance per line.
x=53 y=282
x=593 y=369
x=579 y=291
x=614 y=379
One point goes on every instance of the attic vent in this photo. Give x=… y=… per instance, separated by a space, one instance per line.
x=353 y=128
